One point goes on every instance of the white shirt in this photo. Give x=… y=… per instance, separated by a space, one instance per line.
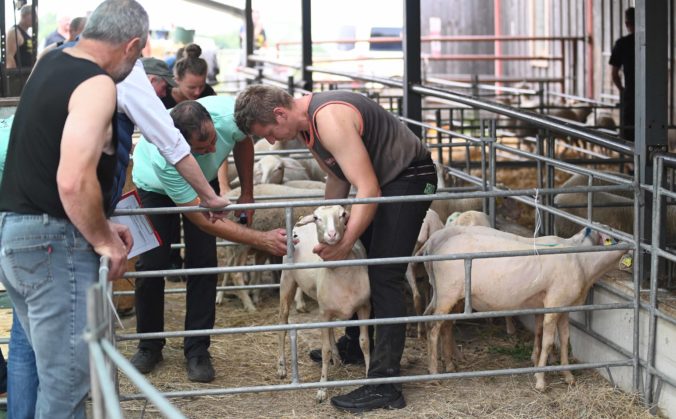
x=137 y=99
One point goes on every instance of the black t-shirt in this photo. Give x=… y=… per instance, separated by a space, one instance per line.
x=623 y=57
x=169 y=102
x=34 y=150
x=24 y=55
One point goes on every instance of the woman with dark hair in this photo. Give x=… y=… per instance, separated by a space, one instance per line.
x=191 y=78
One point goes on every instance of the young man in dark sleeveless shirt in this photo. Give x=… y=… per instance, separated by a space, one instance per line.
x=54 y=198
x=360 y=144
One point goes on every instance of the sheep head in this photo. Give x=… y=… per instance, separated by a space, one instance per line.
x=269 y=169
x=330 y=221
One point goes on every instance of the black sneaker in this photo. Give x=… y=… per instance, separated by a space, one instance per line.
x=200 y=369
x=349 y=352
x=146 y=359
x=370 y=397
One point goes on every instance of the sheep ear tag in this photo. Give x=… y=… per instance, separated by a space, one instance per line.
x=429 y=189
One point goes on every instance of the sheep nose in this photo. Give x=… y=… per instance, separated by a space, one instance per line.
x=331 y=234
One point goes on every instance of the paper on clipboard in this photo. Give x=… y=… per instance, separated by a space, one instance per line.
x=145 y=236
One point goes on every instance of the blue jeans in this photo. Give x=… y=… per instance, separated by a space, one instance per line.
x=47 y=267
x=22 y=375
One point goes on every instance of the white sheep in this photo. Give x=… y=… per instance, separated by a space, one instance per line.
x=340 y=292
x=240 y=255
x=514 y=282
x=431 y=223
x=306 y=184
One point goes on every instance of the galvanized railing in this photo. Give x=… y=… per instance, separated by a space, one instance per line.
x=105 y=360
x=485 y=187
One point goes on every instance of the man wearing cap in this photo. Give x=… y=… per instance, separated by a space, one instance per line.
x=159 y=74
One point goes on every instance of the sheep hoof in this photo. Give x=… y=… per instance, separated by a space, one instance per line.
x=250 y=308
x=321 y=395
x=569 y=378
x=219 y=298
x=540 y=384
x=281 y=371
x=302 y=309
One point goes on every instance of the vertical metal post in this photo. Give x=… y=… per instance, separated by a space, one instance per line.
x=549 y=198
x=293 y=336
x=484 y=173
x=651 y=97
x=654 y=271
x=450 y=138
x=492 y=171
x=4 y=83
x=94 y=303
x=248 y=33
x=590 y=198
x=288 y=212
x=290 y=87
x=412 y=71
x=638 y=268
x=468 y=286
x=540 y=145
x=34 y=30
x=306 y=17
x=440 y=151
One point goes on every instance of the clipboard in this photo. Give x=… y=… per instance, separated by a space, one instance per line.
x=141 y=228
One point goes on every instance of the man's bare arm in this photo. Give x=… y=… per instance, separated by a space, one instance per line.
x=243 y=152
x=339 y=130
x=273 y=241
x=191 y=172
x=11 y=47
x=86 y=134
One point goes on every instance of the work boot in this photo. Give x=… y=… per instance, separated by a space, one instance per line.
x=200 y=369
x=349 y=351
x=146 y=359
x=370 y=397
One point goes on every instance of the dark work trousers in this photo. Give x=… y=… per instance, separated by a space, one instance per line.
x=392 y=233
x=200 y=252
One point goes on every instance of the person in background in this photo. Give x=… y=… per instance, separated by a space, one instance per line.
x=260 y=39
x=191 y=78
x=62 y=31
x=77 y=25
x=622 y=58
x=159 y=75
x=19 y=43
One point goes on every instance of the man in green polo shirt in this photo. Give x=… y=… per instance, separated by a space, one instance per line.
x=209 y=126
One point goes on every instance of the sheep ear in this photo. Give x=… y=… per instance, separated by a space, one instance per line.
x=305 y=220
x=347 y=215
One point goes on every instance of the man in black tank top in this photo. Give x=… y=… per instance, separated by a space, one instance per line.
x=20 y=52
x=55 y=196
x=358 y=144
